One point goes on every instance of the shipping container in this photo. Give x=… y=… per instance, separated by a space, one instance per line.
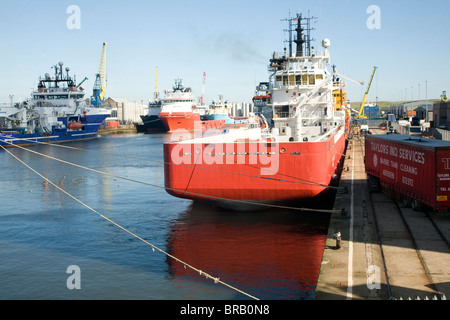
x=415 y=169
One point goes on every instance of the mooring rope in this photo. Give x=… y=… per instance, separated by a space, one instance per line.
x=178 y=190
x=298 y=180
x=201 y=273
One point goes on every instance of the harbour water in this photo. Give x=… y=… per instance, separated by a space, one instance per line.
x=273 y=254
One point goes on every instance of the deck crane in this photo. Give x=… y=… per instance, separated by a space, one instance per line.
x=100 y=80
x=361 y=114
x=85 y=78
x=344 y=76
x=338 y=74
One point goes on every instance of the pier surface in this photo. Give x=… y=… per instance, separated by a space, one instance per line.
x=377 y=259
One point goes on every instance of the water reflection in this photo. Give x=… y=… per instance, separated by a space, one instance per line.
x=272 y=254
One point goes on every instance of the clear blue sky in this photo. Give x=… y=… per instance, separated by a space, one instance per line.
x=232 y=41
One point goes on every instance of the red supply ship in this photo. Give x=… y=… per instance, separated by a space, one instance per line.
x=180 y=113
x=294 y=161
x=415 y=169
x=178 y=110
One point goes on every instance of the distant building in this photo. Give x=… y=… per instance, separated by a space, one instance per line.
x=417 y=109
x=240 y=109
x=125 y=111
x=441 y=114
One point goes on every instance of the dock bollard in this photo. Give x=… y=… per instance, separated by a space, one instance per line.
x=338 y=238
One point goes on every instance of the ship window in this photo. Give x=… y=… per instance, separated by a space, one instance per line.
x=312 y=79
x=305 y=79
x=285 y=80
x=292 y=79
x=319 y=77
x=298 y=79
x=279 y=78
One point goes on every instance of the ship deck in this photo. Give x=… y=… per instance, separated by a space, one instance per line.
x=363 y=267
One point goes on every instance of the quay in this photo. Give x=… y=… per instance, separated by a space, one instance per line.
x=375 y=257
x=123 y=129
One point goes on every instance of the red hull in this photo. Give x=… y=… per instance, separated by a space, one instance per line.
x=187 y=121
x=252 y=171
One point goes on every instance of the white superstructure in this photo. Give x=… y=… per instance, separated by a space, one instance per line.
x=180 y=100
x=302 y=97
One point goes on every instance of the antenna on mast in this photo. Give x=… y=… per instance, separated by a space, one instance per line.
x=156 y=85
x=289 y=20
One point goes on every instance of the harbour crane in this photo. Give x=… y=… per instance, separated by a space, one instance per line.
x=100 y=80
x=361 y=114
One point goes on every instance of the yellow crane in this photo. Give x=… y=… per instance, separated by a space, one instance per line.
x=100 y=80
x=361 y=114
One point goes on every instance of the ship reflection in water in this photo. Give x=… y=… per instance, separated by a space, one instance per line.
x=273 y=254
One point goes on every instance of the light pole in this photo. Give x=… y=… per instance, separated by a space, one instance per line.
x=426 y=97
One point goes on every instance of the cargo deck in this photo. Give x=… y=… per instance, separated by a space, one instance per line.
x=379 y=256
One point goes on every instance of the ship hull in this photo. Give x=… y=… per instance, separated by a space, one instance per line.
x=90 y=126
x=191 y=122
x=245 y=175
x=151 y=124
x=188 y=121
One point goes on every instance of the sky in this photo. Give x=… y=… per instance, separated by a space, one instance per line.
x=230 y=41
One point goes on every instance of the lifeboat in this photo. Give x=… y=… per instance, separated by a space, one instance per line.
x=75 y=125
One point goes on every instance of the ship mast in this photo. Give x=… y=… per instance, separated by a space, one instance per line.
x=203 y=88
x=299 y=41
x=156 y=85
x=303 y=41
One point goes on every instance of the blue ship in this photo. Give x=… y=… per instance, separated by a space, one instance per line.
x=56 y=112
x=219 y=111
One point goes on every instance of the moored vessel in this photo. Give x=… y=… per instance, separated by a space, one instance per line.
x=56 y=112
x=178 y=110
x=295 y=161
x=179 y=113
x=151 y=123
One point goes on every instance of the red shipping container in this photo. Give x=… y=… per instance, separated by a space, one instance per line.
x=417 y=169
